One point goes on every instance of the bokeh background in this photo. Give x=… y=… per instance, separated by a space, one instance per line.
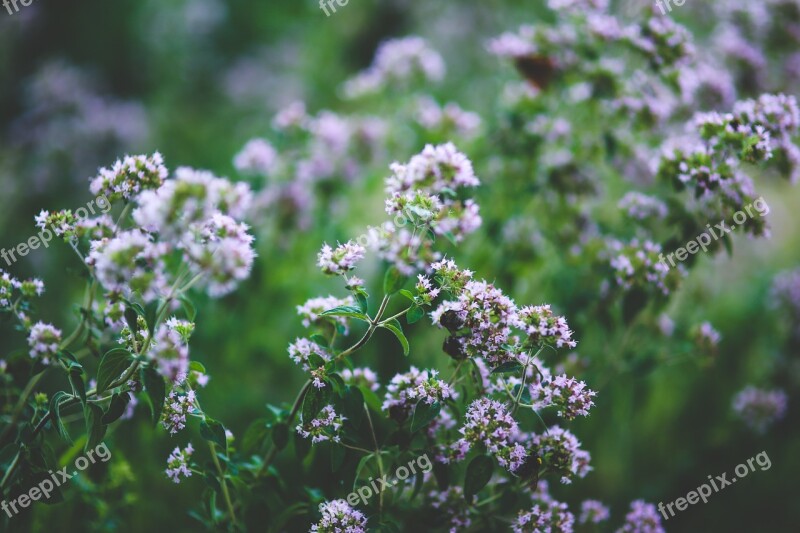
x=85 y=82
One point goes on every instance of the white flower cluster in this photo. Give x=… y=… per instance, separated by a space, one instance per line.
x=193 y=216
x=170 y=348
x=406 y=390
x=130 y=176
x=397 y=62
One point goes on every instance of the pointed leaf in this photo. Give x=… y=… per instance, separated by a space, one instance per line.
x=113 y=364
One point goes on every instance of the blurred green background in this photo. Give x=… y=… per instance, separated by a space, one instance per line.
x=196 y=79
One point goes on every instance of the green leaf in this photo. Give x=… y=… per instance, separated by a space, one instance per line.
x=255 y=436
x=393 y=281
x=408 y=294
x=319 y=339
x=337 y=382
x=415 y=314
x=316 y=360
x=508 y=368
x=95 y=429
x=188 y=308
x=76 y=380
x=313 y=403
x=117 y=407
x=424 y=414
x=196 y=366
x=132 y=316
x=361 y=464
x=353 y=407
x=479 y=472
x=362 y=302
x=156 y=391
x=395 y=327
x=113 y=364
x=280 y=435
x=337 y=456
x=372 y=400
x=55 y=406
x=347 y=311
x=213 y=431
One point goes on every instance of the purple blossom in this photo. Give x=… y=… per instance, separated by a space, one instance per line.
x=176 y=407
x=642 y=518
x=342 y=259
x=593 y=511
x=760 y=408
x=561 y=451
x=338 y=516
x=44 y=340
x=490 y=425
x=326 y=426
x=178 y=463
x=406 y=390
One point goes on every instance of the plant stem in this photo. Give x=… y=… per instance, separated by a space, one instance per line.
x=222 y=481
x=273 y=451
x=378 y=455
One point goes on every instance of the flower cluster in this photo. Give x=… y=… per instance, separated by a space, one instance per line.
x=543 y=327
x=455 y=507
x=758 y=129
x=129 y=176
x=639 y=206
x=562 y=452
x=338 y=516
x=489 y=424
x=341 y=259
x=569 y=395
x=397 y=62
x=487 y=314
x=546 y=514
x=258 y=157
x=481 y=320
x=707 y=338
x=406 y=390
x=326 y=426
x=170 y=348
x=178 y=463
x=194 y=215
x=361 y=377
x=593 y=512
x=44 y=340
x=639 y=265
x=426 y=191
x=311 y=310
x=759 y=408
x=786 y=295
x=24 y=289
x=131 y=262
x=176 y=407
x=312 y=357
x=446 y=120
x=642 y=518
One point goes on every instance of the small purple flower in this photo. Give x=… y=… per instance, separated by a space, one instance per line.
x=338 y=516
x=760 y=408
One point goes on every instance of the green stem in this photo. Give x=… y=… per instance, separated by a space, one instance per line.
x=224 y=483
x=273 y=451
